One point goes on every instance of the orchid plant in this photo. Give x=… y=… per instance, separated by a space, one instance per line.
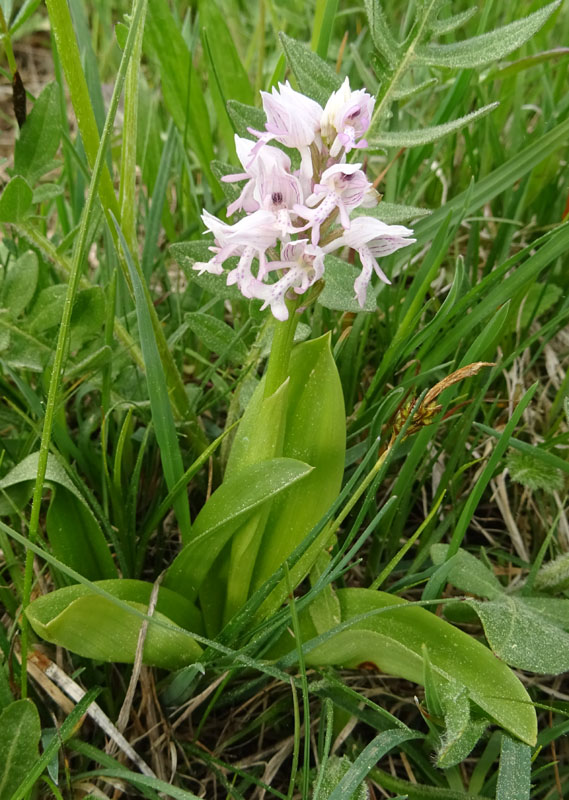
x=270 y=523
x=306 y=204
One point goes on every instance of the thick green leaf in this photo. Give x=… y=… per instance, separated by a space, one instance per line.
x=259 y=438
x=47 y=309
x=73 y=531
x=226 y=510
x=428 y=135
x=19 y=741
x=95 y=627
x=487 y=47
x=15 y=200
x=20 y=284
x=338 y=292
x=245 y=117
x=514 y=775
x=39 y=137
x=393 y=640
x=76 y=538
x=521 y=636
x=314 y=433
x=315 y=77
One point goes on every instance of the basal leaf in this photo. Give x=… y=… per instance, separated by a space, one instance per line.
x=226 y=510
x=392 y=637
x=93 y=626
x=533 y=472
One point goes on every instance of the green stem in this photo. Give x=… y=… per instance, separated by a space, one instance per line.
x=7 y=43
x=281 y=347
x=61 y=350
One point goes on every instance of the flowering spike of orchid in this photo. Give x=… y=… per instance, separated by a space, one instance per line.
x=294 y=217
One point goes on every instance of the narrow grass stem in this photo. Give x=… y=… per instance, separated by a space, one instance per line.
x=64 y=329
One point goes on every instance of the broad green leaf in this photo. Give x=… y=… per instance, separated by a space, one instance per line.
x=338 y=292
x=39 y=137
x=521 y=636
x=15 y=200
x=76 y=538
x=19 y=741
x=187 y=253
x=20 y=284
x=427 y=135
x=73 y=531
x=392 y=213
x=514 y=775
x=393 y=640
x=259 y=438
x=93 y=626
x=314 y=433
x=468 y=573
x=226 y=510
x=487 y=47
x=315 y=77
x=217 y=336
x=534 y=473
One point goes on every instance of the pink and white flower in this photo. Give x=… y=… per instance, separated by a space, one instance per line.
x=371 y=238
x=342 y=187
x=254 y=164
x=304 y=265
x=249 y=238
x=346 y=118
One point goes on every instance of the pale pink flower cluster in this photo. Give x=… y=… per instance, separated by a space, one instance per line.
x=294 y=217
